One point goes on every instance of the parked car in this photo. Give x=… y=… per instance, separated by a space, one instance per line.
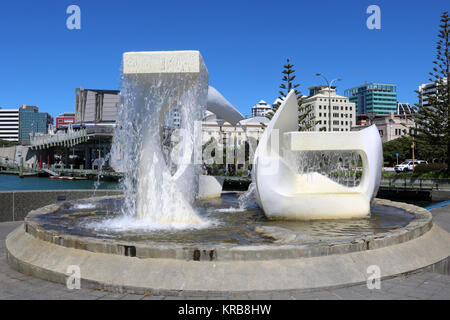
x=407 y=165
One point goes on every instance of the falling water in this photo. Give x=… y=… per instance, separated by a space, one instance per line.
x=160 y=179
x=246 y=198
x=338 y=166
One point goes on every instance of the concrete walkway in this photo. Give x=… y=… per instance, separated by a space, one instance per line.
x=421 y=285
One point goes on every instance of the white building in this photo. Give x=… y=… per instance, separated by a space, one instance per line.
x=343 y=112
x=174 y=118
x=252 y=128
x=426 y=89
x=260 y=109
x=9 y=124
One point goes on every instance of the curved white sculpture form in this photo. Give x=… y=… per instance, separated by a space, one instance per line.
x=217 y=104
x=284 y=194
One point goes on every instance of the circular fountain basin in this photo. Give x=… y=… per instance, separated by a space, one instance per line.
x=237 y=252
x=230 y=233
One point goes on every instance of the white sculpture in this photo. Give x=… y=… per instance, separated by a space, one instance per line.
x=156 y=82
x=284 y=194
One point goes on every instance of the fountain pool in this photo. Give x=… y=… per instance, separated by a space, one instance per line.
x=226 y=223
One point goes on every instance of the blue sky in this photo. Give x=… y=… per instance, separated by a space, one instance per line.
x=244 y=44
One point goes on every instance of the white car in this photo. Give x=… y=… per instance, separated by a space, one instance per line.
x=407 y=165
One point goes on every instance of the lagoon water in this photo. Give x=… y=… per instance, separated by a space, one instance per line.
x=13 y=182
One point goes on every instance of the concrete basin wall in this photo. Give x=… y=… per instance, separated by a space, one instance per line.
x=15 y=205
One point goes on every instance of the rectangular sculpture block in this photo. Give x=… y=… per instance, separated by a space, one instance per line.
x=163 y=62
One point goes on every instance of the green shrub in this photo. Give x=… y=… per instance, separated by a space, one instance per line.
x=432 y=167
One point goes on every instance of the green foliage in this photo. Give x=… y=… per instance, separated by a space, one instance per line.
x=430 y=152
x=306 y=115
x=431 y=167
x=5 y=143
x=434 y=121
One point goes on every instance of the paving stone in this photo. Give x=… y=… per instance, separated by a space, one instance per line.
x=114 y=296
x=131 y=296
x=153 y=298
x=348 y=293
x=17 y=286
x=201 y=298
x=260 y=296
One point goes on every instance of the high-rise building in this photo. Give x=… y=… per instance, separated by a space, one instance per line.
x=342 y=110
x=65 y=119
x=9 y=124
x=426 y=89
x=96 y=106
x=260 y=109
x=376 y=98
x=31 y=122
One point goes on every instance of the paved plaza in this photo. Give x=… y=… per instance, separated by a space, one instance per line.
x=416 y=286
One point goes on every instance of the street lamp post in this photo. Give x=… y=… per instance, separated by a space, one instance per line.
x=329 y=96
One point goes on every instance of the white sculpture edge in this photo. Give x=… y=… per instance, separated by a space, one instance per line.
x=283 y=194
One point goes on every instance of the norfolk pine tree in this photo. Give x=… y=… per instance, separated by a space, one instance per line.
x=305 y=117
x=433 y=121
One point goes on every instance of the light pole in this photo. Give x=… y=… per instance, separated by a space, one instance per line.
x=329 y=96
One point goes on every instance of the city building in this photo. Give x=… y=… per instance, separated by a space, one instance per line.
x=65 y=119
x=174 y=118
x=342 y=110
x=250 y=130
x=426 y=89
x=260 y=109
x=32 y=122
x=377 y=98
x=94 y=106
x=9 y=124
x=390 y=127
x=403 y=108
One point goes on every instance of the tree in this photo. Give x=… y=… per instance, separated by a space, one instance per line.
x=433 y=121
x=6 y=143
x=306 y=116
x=402 y=146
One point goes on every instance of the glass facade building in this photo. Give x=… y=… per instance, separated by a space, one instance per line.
x=378 y=98
x=32 y=121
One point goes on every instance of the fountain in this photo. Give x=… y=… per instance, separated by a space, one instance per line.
x=167 y=234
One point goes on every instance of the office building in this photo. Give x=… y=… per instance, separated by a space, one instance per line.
x=375 y=98
x=9 y=124
x=426 y=89
x=260 y=109
x=342 y=110
x=64 y=119
x=32 y=122
x=96 y=106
